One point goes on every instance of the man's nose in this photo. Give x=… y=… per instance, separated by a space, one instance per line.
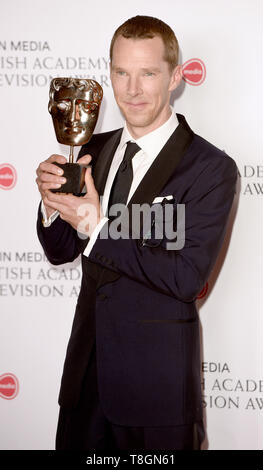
x=134 y=86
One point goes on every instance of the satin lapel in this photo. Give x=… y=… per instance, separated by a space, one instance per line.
x=164 y=165
x=100 y=173
x=103 y=163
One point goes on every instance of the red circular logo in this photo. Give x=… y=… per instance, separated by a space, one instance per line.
x=9 y=386
x=203 y=292
x=8 y=176
x=194 y=71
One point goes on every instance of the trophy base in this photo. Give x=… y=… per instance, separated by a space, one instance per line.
x=75 y=176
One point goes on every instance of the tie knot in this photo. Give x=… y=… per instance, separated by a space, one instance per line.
x=123 y=178
x=131 y=149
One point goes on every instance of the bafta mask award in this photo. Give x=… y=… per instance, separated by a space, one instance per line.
x=74 y=105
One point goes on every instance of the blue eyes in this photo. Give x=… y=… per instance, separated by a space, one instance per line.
x=121 y=73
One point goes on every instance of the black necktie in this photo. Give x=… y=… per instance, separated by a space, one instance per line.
x=123 y=179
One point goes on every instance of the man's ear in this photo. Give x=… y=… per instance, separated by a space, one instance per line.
x=176 y=77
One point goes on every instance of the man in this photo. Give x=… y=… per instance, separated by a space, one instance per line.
x=131 y=378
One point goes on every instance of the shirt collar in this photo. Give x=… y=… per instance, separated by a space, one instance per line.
x=153 y=142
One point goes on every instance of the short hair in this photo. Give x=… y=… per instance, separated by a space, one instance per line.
x=144 y=27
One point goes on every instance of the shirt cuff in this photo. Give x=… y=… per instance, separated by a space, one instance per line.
x=94 y=236
x=47 y=221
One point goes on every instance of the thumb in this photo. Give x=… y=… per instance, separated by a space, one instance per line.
x=85 y=160
x=89 y=181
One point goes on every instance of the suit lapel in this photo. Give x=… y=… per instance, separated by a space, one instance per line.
x=164 y=165
x=103 y=163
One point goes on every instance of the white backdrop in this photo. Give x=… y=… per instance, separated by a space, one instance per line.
x=40 y=40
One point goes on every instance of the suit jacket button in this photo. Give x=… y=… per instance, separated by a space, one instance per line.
x=102 y=296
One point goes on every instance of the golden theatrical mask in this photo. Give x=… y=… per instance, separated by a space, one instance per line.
x=74 y=105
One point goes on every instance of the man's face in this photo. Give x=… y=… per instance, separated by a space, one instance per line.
x=142 y=83
x=74 y=115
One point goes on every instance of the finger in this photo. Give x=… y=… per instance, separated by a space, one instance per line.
x=49 y=165
x=85 y=160
x=57 y=158
x=49 y=168
x=51 y=178
x=54 y=204
x=47 y=181
x=43 y=187
x=67 y=200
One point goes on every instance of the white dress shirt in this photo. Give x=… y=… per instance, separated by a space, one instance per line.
x=150 y=145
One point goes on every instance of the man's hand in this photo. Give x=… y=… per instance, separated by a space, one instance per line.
x=82 y=213
x=50 y=176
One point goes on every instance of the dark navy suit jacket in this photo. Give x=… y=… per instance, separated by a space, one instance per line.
x=137 y=299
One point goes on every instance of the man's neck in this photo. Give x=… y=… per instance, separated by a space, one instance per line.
x=137 y=132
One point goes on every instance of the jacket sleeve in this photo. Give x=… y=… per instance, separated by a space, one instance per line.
x=60 y=241
x=180 y=273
